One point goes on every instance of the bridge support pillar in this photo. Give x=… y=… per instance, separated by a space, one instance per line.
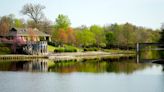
x=138 y=52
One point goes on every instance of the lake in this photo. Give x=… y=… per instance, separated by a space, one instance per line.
x=95 y=75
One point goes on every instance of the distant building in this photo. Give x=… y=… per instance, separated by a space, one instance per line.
x=29 y=41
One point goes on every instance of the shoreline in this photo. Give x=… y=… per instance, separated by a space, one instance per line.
x=86 y=55
x=66 y=55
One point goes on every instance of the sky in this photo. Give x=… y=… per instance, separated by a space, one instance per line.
x=146 y=13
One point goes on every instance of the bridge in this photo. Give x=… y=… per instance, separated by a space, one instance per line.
x=141 y=47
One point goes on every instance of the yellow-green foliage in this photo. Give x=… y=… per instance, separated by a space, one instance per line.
x=51 y=48
x=50 y=63
x=65 y=48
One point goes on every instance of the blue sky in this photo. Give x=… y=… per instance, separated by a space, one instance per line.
x=147 y=13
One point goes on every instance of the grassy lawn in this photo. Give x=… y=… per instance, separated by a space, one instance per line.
x=67 y=47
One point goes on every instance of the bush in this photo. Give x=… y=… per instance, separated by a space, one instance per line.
x=71 y=50
x=91 y=49
x=66 y=49
x=54 y=44
x=59 y=49
x=5 y=50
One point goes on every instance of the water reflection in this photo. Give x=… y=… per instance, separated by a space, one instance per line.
x=126 y=65
x=36 y=65
x=123 y=65
x=96 y=75
x=151 y=56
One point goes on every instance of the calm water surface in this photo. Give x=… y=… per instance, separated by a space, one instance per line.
x=105 y=75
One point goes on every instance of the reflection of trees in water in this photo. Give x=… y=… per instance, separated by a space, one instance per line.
x=5 y=66
x=116 y=65
x=123 y=65
x=150 y=54
x=31 y=65
x=161 y=54
x=119 y=67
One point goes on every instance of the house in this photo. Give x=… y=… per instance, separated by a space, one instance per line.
x=29 y=40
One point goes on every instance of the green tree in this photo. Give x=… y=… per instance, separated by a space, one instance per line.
x=85 y=38
x=110 y=38
x=128 y=33
x=99 y=35
x=19 y=23
x=156 y=35
x=62 y=22
x=118 y=35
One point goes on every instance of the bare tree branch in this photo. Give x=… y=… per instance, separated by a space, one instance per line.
x=34 y=11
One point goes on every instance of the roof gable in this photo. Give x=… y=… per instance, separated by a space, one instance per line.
x=26 y=32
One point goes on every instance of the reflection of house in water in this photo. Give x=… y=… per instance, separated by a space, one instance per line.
x=29 y=41
x=36 y=65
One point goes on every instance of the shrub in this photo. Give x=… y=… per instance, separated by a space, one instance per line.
x=59 y=49
x=91 y=49
x=54 y=44
x=71 y=50
x=5 y=50
x=66 y=49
